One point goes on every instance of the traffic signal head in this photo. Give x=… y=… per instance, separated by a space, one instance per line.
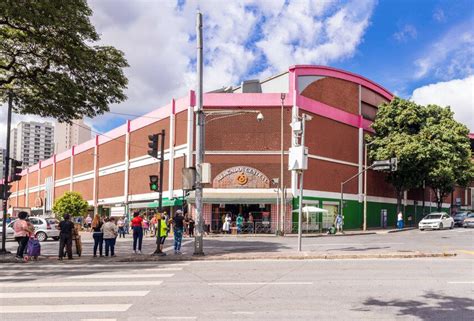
x=15 y=170
x=154 y=183
x=153 y=144
x=5 y=191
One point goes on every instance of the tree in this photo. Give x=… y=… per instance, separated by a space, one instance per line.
x=449 y=152
x=397 y=127
x=70 y=203
x=49 y=62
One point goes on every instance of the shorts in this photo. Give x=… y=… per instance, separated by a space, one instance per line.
x=162 y=239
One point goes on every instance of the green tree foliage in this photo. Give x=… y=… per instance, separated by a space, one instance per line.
x=429 y=144
x=70 y=203
x=449 y=150
x=396 y=127
x=49 y=62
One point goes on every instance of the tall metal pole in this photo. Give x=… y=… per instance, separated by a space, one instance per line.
x=300 y=201
x=198 y=239
x=5 y=173
x=162 y=161
x=365 y=188
x=281 y=213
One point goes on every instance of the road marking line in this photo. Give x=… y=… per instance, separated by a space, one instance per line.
x=113 y=276
x=243 y=312
x=461 y=282
x=34 y=274
x=169 y=248
x=98 y=319
x=176 y=318
x=84 y=294
x=467 y=252
x=65 y=308
x=260 y=283
x=67 y=266
x=78 y=284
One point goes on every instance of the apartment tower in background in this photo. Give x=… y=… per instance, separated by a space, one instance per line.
x=67 y=135
x=31 y=142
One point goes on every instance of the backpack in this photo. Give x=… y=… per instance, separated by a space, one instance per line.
x=34 y=247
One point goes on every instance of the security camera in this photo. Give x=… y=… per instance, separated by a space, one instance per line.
x=260 y=117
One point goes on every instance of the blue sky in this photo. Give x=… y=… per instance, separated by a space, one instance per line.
x=418 y=49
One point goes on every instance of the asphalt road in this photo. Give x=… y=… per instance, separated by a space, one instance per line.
x=349 y=289
x=458 y=240
x=383 y=289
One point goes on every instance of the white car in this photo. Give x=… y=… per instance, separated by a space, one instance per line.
x=44 y=228
x=436 y=221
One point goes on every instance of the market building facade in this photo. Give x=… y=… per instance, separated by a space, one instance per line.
x=112 y=170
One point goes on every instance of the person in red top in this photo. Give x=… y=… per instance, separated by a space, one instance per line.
x=137 y=229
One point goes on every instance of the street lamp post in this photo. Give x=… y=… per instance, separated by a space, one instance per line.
x=365 y=186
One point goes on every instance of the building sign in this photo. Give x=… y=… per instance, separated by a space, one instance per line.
x=241 y=177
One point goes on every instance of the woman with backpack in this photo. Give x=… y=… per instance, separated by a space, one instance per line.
x=97 y=234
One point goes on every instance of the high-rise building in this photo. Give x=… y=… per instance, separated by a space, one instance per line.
x=67 y=135
x=32 y=142
x=2 y=164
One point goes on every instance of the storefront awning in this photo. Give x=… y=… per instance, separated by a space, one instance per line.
x=165 y=202
x=239 y=196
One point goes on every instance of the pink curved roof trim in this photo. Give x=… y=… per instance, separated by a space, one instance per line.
x=308 y=70
x=471 y=135
x=222 y=100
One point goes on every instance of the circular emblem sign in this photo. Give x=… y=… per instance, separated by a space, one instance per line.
x=242 y=179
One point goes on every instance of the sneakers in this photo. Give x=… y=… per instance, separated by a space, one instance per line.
x=177 y=252
x=137 y=252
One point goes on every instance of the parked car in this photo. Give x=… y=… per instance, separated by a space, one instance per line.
x=436 y=221
x=469 y=220
x=44 y=228
x=459 y=218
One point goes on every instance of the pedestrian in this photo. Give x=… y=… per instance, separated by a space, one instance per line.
x=110 y=231
x=163 y=231
x=126 y=224
x=66 y=228
x=191 y=227
x=226 y=226
x=145 y=226
x=21 y=233
x=153 y=225
x=121 y=227
x=97 y=235
x=88 y=222
x=186 y=226
x=239 y=222
x=137 y=230
x=178 y=225
x=339 y=223
x=400 y=220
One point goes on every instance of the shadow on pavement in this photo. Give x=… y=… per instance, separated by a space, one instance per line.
x=431 y=306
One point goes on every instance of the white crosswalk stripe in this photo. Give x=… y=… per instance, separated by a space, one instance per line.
x=82 y=288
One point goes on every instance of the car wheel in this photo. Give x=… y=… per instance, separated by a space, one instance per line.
x=56 y=238
x=41 y=236
x=422 y=229
x=440 y=226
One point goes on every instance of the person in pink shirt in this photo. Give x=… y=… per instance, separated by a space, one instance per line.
x=21 y=233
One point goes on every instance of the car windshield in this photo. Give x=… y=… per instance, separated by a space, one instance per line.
x=52 y=221
x=470 y=215
x=459 y=215
x=432 y=216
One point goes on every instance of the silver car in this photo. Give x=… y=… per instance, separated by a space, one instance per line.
x=44 y=228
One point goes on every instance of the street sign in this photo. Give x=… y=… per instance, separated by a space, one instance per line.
x=381 y=163
x=382 y=168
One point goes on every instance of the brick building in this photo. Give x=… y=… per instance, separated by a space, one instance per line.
x=111 y=171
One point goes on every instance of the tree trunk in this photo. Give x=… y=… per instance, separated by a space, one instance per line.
x=399 y=200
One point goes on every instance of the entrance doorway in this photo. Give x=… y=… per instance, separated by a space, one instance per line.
x=257 y=217
x=330 y=216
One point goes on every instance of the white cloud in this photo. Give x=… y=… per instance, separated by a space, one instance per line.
x=451 y=56
x=407 y=32
x=243 y=38
x=438 y=15
x=457 y=93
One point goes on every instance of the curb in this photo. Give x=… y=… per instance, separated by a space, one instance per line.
x=226 y=257
x=402 y=230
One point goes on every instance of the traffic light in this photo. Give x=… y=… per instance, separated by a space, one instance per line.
x=5 y=191
x=154 y=183
x=15 y=170
x=153 y=144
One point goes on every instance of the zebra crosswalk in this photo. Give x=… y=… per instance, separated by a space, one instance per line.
x=78 y=291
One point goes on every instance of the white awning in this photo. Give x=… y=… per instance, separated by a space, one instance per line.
x=239 y=196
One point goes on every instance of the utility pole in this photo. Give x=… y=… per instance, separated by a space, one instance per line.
x=198 y=239
x=5 y=175
x=281 y=213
